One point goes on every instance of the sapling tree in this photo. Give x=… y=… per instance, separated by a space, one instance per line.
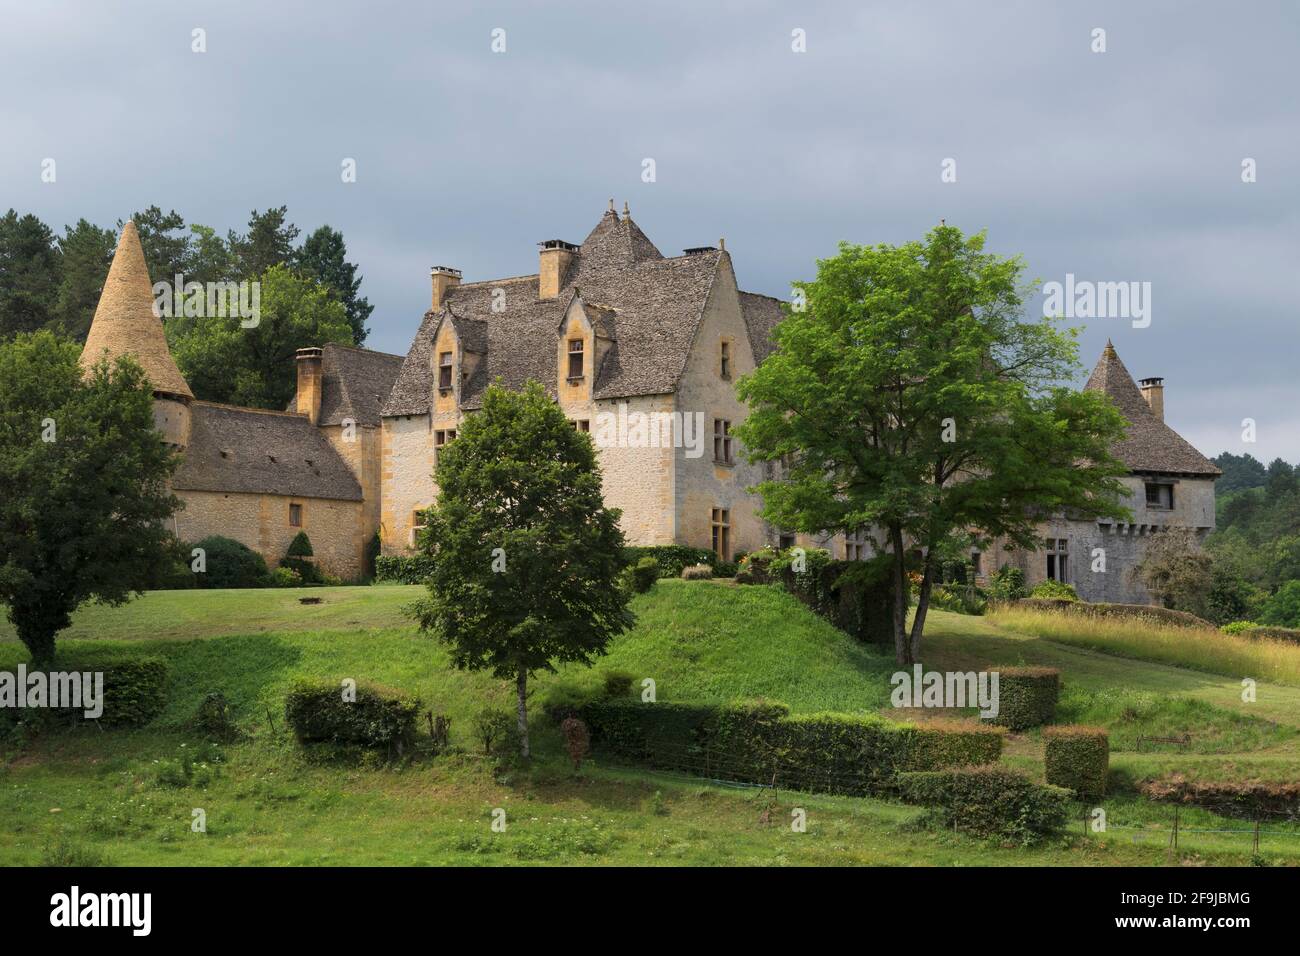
x=524 y=556
x=909 y=399
x=83 y=486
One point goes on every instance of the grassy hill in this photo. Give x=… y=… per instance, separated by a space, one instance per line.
x=106 y=797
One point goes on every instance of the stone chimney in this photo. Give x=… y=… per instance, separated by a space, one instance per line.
x=443 y=278
x=553 y=264
x=309 y=383
x=1153 y=390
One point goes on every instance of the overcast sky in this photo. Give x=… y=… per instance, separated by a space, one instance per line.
x=1117 y=166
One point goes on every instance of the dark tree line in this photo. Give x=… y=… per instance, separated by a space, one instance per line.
x=52 y=281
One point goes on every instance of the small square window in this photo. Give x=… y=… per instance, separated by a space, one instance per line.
x=582 y=424
x=1160 y=495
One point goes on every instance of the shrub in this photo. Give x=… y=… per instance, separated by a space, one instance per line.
x=1077 y=758
x=1054 y=590
x=230 y=564
x=672 y=558
x=377 y=718
x=990 y=801
x=497 y=730
x=958 y=598
x=1027 y=696
x=1007 y=583
x=697 y=572
x=300 y=546
x=725 y=569
x=753 y=741
x=618 y=683
x=213 y=718
x=403 y=568
x=1239 y=627
x=1289 y=634
x=644 y=574
x=134 y=693
x=284 y=577
x=577 y=741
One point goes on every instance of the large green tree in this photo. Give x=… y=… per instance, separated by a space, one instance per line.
x=324 y=255
x=83 y=486
x=269 y=242
x=524 y=555
x=30 y=271
x=909 y=399
x=225 y=360
x=87 y=253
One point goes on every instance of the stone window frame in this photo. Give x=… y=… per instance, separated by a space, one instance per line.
x=297 y=510
x=723 y=442
x=417 y=524
x=855 y=546
x=581 y=424
x=580 y=355
x=1058 y=559
x=446 y=361
x=441 y=438
x=781 y=539
x=1158 y=504
x=720 y=528
x=726 y=359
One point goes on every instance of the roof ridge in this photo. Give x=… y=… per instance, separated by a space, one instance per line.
x=249 y=408
x=361 y=348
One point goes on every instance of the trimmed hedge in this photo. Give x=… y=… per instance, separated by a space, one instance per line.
x=378 y=718
x=1242 y=801
x=1078 y=759
x=990 y=801
x=1160 y=615
x=672 y=558
x=231 y=564
x=135 y=692
x=757 y=741
x=697 y=572
x=403 y=568
x=1027 y=696
x=644 y=574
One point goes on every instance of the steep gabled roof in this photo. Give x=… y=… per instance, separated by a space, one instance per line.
x=1149 y=445
x=762 y=313
x=258 y=451
x=649 y=306
x=355 y=383
x=125 y=323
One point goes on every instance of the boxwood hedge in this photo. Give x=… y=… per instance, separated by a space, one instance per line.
x=990 y=801
x=1077 y=758
x=378 y=718
x=1027 y=696
x=760 y=742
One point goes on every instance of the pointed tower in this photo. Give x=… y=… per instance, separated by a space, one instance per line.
x=125 y=324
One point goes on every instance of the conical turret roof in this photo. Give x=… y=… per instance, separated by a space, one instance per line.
x=125 y=323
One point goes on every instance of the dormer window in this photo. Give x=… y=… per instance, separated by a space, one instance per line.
x=444 y=372
x=575 y=359
x=724 y=359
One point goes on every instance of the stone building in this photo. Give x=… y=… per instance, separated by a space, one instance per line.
x=252 y=474
x=640 y=349
x=1170 y=484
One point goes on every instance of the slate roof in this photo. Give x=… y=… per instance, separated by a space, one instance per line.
x=1150 y=445
x=258 y=451
x=648 y=305
x=762 y=313
x=125 y=323
x=355 y=384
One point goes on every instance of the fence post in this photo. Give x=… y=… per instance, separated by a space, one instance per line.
x=1256 y=836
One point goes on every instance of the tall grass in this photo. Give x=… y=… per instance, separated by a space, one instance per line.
x=1204 y=650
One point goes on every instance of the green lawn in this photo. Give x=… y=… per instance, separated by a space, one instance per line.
x=98 y=797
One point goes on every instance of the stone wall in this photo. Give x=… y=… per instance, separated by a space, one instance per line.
x=262 y=523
